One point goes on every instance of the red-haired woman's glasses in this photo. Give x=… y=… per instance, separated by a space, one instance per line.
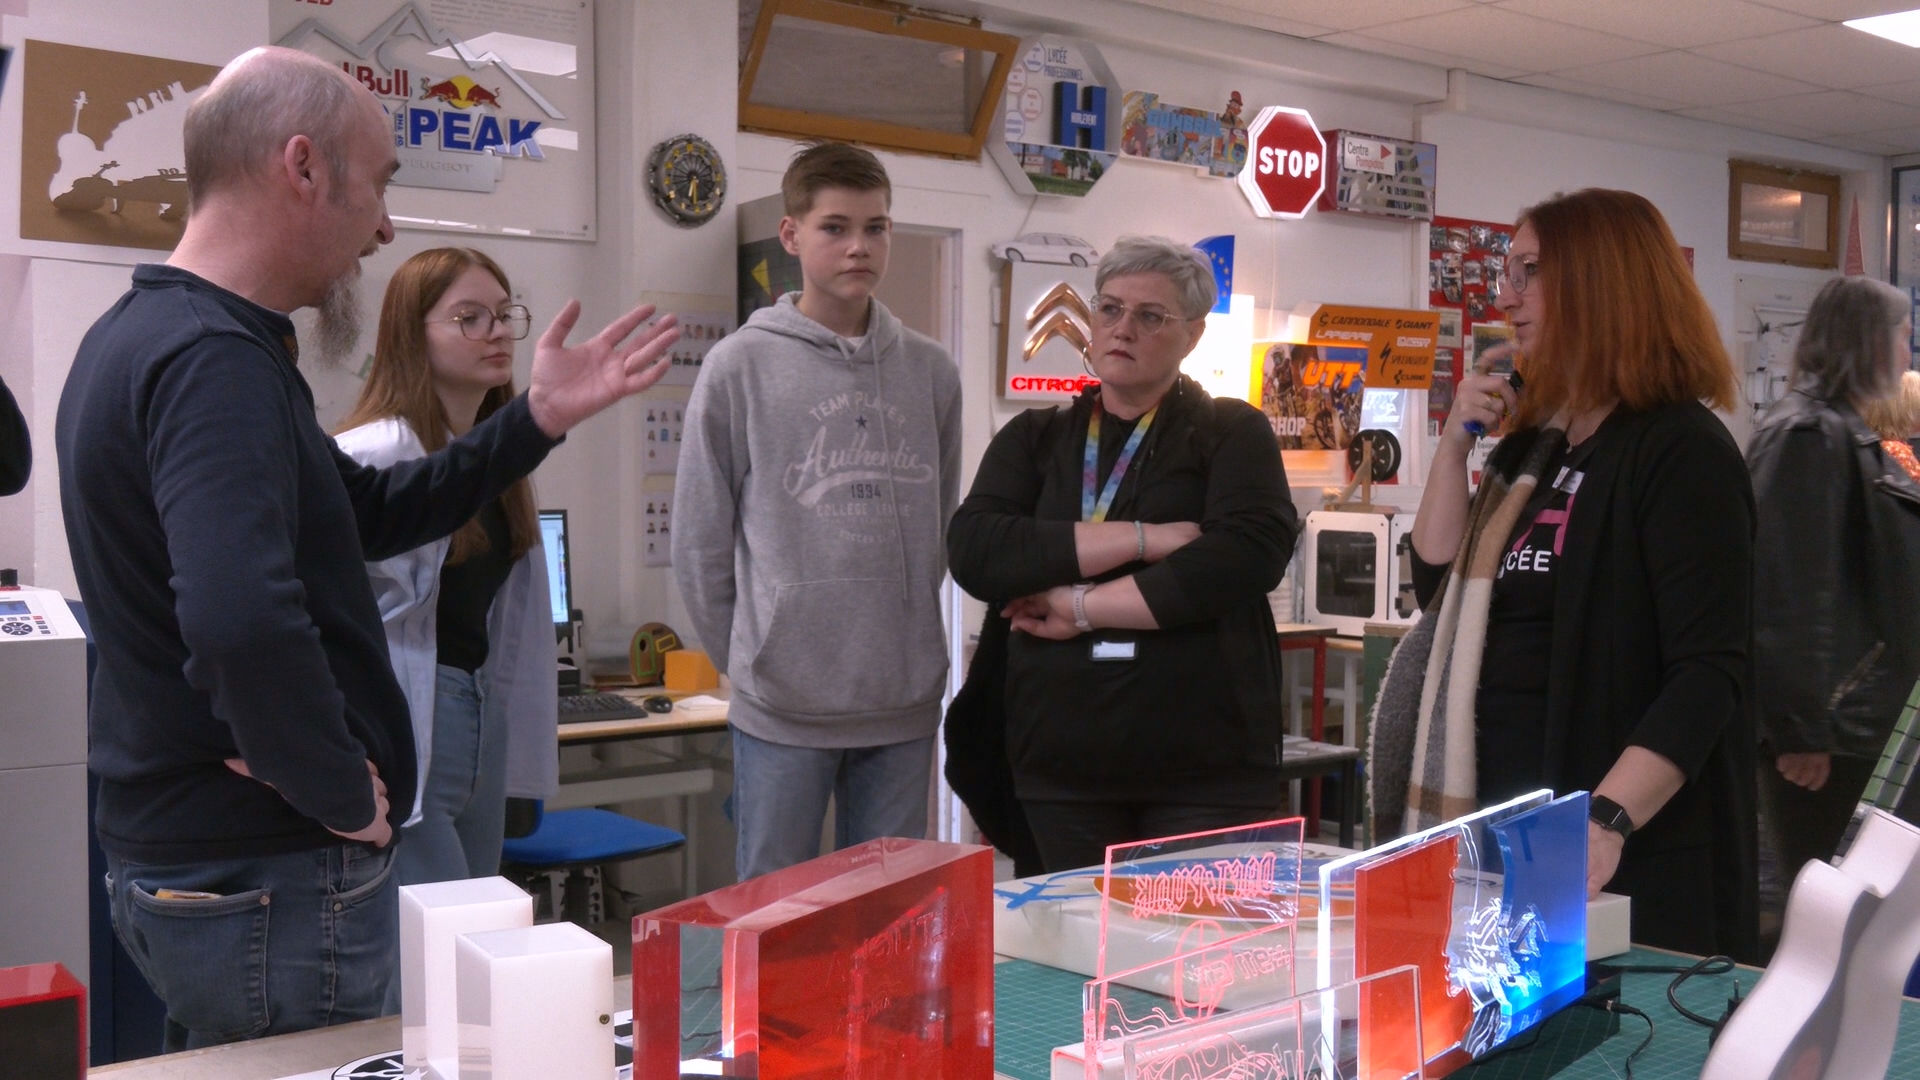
x=1519 y=275
x=476 y=324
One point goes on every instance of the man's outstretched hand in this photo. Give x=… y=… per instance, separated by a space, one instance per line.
x=572 y=382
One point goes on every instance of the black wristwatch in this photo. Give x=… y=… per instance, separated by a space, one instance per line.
x=1608 y=814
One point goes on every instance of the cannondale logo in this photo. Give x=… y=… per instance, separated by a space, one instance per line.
x=1059 y=313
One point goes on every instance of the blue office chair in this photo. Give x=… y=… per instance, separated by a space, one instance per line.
x=573 y=840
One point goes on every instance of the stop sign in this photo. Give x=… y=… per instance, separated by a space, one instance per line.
x=1286 y=165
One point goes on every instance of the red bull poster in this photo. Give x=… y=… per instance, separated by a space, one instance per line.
x=491 y=105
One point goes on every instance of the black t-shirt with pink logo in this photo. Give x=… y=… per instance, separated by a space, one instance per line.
x=1511 y=706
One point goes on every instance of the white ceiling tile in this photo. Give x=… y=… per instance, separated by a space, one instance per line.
x=1831 y=112
x=1687 y=80
x=1905 y=139
x=1338 y=15
x=1751 y=123
x=1364 y=43
x=1496 y=35
x=1865 y=144
x=1676 y=25
x=1604 y=93
x=1833 y=56
x=1906 y=93
x=1837 y=10
x=1252 y=13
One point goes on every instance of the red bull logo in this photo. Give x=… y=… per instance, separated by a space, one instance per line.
x=461 y=93
x=458 y=129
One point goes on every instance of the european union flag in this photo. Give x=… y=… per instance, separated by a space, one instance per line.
x=1219 y=253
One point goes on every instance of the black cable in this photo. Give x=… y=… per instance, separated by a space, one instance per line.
x=1620 y=1008
x=1711 y=965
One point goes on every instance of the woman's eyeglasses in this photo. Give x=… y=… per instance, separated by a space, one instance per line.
x=1107 y=313
x=476 y=324
x=1519 y=275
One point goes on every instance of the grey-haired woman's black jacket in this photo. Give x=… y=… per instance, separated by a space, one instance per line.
x=1195 y=716
x=1836 y=587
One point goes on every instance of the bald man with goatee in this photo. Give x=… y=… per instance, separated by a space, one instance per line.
x=254 y=749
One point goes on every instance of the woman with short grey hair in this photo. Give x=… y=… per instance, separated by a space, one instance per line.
x=1183 y=267
x=1127 y=682
x=1836 y=584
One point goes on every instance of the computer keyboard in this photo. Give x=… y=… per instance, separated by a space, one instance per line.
x=583 y=708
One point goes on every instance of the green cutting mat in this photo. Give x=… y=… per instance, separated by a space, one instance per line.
x=1037 y=1008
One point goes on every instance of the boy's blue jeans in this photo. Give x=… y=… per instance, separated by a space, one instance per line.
x=780 y=798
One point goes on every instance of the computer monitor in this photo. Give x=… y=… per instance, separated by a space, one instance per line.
x=553 y=540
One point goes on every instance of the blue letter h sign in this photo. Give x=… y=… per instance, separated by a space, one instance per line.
x=1079 y=116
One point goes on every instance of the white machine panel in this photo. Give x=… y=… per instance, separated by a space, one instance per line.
x=43 y=673
x=43 y=781
x=1355 y=569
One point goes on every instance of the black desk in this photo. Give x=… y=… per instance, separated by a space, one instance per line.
x=1302 y=759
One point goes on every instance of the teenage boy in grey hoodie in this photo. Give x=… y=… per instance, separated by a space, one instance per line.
x=820 y=465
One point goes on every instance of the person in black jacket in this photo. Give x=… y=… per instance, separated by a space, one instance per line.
x=1836 y=607
x=254 y=748
x=16 y=448
x=1131 y=539
x=1616 y=632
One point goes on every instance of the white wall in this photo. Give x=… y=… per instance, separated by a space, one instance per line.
x=668 y=67
x=656 y=79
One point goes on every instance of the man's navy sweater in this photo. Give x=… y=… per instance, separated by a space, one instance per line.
x=220 y=540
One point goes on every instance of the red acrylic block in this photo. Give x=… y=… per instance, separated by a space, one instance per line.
x=43 y=1023
x=874 y=961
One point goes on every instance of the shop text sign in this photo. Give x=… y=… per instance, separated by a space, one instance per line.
x=1286 y=167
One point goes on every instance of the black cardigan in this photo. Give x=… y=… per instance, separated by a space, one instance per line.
x=1652 y=631
x=1196 y=716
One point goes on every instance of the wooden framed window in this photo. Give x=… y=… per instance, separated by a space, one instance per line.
x=882 y=76
x=1783 y=215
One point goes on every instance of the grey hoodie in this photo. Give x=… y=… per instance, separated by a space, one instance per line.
x=810 y=512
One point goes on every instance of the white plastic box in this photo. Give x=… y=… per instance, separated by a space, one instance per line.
x=535 y=1003
x=432 y=917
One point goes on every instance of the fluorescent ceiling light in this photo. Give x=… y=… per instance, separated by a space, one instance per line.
x=1901 y=26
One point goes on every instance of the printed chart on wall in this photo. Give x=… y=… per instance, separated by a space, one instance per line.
x=657 y=514
x=491 y=103
x=665 y=421
x=101 y=156
x=698 y=332
x=1464 y=260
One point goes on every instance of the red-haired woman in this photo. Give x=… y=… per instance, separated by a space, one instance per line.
x=1598 y=596
x=468 y=622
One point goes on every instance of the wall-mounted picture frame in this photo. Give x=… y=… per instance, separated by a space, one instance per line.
x=1903 y=246
x=809 y=67
x=1782 y=215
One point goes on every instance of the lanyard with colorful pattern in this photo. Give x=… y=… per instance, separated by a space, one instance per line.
x=1096 y=510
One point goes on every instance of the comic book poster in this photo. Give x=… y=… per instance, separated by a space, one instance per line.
x=1464 y=261
x=1156 y=131
x=1311 y=393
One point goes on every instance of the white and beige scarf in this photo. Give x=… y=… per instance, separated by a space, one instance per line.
x=1420 y=746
